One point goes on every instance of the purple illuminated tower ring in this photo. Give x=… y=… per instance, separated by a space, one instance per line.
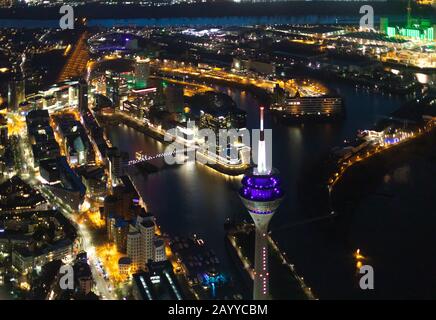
x=261 y=194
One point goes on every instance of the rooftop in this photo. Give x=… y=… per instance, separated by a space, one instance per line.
x=16 y=194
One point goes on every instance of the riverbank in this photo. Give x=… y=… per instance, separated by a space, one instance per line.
x=339 y=188
x=117 y=118
x=360 y=180
x=264 y=97
x=285 y=283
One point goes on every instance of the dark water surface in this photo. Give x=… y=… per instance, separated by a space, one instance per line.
x=195 y=199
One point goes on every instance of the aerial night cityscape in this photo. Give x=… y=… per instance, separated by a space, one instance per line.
x=220 y=150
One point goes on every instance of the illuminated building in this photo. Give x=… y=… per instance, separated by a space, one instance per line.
x=213 y=279
x=26 y=260
x=159 y=283
x=70 y=189
x=134 y=248
x=120 y=230
x=96 y=132
x=142 y=72
x=110 y=226
x=56 y=97
x=83 y=277
x=16 y=93
x=117 y=161
x=139 y=102
x=6 y=3
x=128 y=225
x=49 y=171
x=44 y=151
x=28 y=254
x=110 y=209
x=416 y=29
x=17 y=230
x=426 y=2
x=76 y=143
x=309 y=107
x=261 y=67
x=141 y=242
x=217 y=111
x=147 y=228
x=420 y=29
x=83 y=95
x=116 y=87
x=94 y=179
x=315 y=31
x=159 y=250
x=261 y=194
x=124 y=264
x=122 y=204
x=18 y=196
x=38 y=127
x=3 y=131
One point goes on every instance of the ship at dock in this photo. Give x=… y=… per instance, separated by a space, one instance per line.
x=317 y=108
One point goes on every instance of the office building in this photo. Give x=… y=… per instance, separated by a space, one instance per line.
x=142 y=72
x=174 y=100
x=3 y=131
x=142 y=245
x=159 y=250
x=159 y=283
x=16 y=92
x=134 y=248
x=83 y=95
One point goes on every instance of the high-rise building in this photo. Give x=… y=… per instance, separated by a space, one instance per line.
x=134 y=248
x=147 y=230
x=142 y=72
x=139 y=102
x=115 y=158
x=116 y=87
x=72 y=94
x=174 y=98
x=110 y=209
x=141 y=246
x=261 y=194
x=217 y=111
x=83 y=95
x=16 y=92
x=159 y=250
x=121 y=229
x=3 y=131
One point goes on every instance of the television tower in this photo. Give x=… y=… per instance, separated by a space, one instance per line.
x=261 y=194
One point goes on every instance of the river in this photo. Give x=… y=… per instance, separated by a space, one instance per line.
x=198 y=21
x=195 y=199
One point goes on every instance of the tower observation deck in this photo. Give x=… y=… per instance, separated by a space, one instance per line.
x=261 y=194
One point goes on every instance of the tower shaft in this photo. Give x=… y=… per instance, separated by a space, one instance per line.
x=261 y=267
x=261 y=194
